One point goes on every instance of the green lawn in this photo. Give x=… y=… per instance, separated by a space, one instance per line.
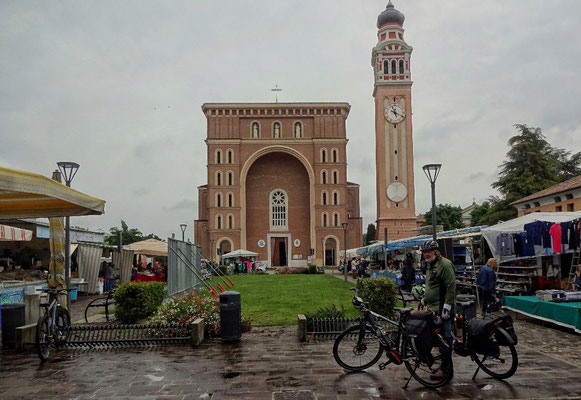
x=278 y=299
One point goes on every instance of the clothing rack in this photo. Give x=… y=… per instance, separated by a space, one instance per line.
x=573 y=270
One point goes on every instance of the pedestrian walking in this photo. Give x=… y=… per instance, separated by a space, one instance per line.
x=486 y=283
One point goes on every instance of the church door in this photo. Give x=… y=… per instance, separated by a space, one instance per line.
x=278 y=251
x=330 y=246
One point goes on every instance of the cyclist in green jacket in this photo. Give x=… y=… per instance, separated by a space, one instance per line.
x=440 y=293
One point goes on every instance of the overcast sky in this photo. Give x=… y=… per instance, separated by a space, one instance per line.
x=117 y=87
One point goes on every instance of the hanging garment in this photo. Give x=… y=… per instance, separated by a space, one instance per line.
x=574 y=236
x=565 y=226
x=547 y=243
x=534 y=232
x=504 y=244
x=517 y=243
x=527 y=246
x=555 y=232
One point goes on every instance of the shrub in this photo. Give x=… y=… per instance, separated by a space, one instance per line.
x=188 y=307
x=381 y=293
x=327 y=312
x=136 y=301
x=313 y=269
x=223 y=269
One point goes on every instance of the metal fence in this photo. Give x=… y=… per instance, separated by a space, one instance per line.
x=328 y=328
x=184 y=266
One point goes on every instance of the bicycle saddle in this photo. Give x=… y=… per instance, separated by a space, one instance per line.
x=403 y=310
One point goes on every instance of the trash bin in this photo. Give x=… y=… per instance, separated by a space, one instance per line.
x=13 y=316
x=74 y=293
x=230 y=317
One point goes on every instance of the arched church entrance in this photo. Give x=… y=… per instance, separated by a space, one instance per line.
x=330 y=251
x=278 y=209
x=224 y=247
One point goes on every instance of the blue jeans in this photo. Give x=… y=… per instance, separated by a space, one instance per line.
x=447 y=326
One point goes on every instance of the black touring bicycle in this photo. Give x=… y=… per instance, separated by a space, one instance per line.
x=416 y=340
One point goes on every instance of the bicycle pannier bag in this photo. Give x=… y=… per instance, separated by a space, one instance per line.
x=507 y=324
x=481 y=336
x=419 y=328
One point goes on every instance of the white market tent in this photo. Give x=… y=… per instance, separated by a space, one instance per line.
x=240 y=253
x=149 y=247
x=517 y=225
x=29 y=195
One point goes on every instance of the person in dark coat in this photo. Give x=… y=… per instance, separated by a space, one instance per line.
x=408 y=273
x=486 y=282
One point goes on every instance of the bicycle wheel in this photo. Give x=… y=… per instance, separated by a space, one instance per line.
x=425 y=368
x=44 y=340
x=357 y=350
x=63 y=320
x=501 y=366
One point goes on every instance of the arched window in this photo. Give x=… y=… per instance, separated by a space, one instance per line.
x=230 y=156
x=401 y=66
x=336 y=219
x=230 y=180
x=335 y=177
x=255 y=130
x=324 y=198
x=219 y=221
x=393 y=67
x=325 y=217
x=218 y=156
x=323 y=155
x=335 y=155
x=278 y=210
x=219 y=178
x=335 y=198
x=230 y=200
x=324 y=177
x=276 y=130
x=298 y=130
x=218 y=199
x=386 y=67
x=230 y=221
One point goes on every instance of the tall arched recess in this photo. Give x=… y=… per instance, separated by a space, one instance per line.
x=269 y=169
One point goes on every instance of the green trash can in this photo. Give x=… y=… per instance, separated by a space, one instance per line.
x=13 y=316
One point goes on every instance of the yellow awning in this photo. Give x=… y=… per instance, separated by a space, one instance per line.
x=29 y=195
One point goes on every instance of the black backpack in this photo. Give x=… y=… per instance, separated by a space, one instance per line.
x=481 y=338
x=419 y=328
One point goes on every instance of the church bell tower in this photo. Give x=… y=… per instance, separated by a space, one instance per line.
x=394 y=155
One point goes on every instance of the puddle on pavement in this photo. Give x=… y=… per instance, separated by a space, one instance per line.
x=154 y=378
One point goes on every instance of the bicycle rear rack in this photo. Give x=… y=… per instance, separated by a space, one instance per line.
x=126 y=335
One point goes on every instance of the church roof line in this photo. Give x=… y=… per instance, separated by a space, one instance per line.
x=277 y=105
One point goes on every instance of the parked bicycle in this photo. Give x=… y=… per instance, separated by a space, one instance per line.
x=490 y=342
x=51 y=327
x=361 y=346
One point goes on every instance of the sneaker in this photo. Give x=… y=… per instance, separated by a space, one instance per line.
x=439 y=374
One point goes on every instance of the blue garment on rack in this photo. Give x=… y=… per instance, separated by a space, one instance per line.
x=527 y=247
x=565 y=226
x=534 y=232
x=547 y=242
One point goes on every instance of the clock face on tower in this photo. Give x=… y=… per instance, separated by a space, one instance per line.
x=397 y=192
x=394 y=113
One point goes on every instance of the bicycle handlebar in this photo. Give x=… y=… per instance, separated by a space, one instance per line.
x=51 y=290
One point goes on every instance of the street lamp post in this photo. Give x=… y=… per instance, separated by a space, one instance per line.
x=68 y=171
x=432 y=171
x=345 y=225
x=183 y=228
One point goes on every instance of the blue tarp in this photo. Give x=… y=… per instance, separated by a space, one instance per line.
x=413 y=241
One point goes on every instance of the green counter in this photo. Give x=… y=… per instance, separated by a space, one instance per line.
x=564 y=314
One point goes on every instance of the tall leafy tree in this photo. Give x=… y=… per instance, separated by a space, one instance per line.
x=569 y=164
x=530 y=166
x=493 y=211
x=128 y=235
x=450 y=217
x=370 y=235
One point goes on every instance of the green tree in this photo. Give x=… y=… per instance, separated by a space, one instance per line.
x=569 y=164
x=478 y=212
x=493 y=211
x=128 y=236
x=450 y=217
x=530 y=166
x=370 y=235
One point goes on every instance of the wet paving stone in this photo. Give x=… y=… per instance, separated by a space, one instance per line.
x=276 y=366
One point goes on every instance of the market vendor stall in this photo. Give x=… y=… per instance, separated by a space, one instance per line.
x=563 y=314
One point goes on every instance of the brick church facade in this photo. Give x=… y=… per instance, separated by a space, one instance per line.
x=277 y=183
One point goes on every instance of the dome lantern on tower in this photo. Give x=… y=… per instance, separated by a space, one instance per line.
x=390 y=16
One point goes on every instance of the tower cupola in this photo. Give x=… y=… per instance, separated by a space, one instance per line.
x=390 y=16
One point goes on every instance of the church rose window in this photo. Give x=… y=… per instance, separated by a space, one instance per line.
x=278 y=210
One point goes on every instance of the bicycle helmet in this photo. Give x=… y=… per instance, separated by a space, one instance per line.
x=430 y=245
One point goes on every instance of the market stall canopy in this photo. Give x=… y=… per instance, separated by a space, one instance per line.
x=10 y=233
x=29 y=195
x=240 y=253
x=516 y=225
x=149 y=247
